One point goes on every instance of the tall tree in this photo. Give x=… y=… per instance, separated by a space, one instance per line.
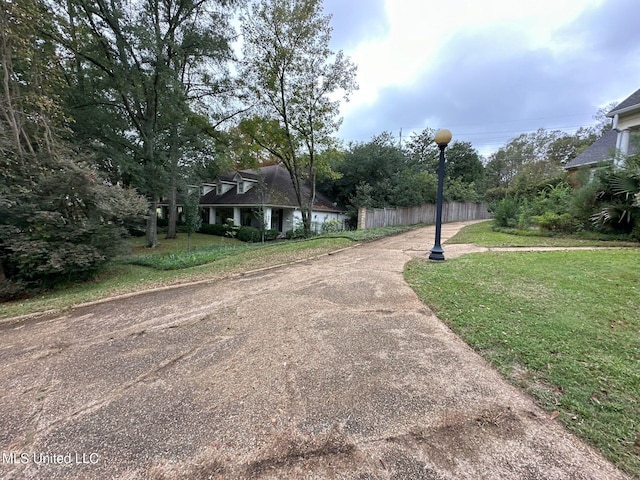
x=423 y=151
x=293 y=78
x=522 y=151
x=144 y=62
x=463 y=163
x=58 y=218
x=29 y=105
x=379 y=173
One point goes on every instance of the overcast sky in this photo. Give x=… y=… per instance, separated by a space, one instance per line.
x=487 y=70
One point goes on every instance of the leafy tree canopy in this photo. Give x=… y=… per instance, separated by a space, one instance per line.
x=294 y=81
x=59 y=218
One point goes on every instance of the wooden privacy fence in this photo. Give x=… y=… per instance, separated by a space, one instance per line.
x=451 y=212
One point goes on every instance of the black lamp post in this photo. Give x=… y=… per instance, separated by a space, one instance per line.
x=443 y=137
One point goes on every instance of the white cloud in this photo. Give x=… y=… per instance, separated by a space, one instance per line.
x=490 y=68
x=418 y=29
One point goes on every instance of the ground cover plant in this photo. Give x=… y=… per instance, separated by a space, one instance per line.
x=563 y=325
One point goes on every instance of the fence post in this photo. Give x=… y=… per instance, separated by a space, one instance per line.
x=362 y=218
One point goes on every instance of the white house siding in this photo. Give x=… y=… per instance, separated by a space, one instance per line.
x=318 y=217
x=623 y=141
x=624 y=122
x=291 y=217
x=627 y=121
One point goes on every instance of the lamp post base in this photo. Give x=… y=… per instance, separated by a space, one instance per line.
x=437 y=254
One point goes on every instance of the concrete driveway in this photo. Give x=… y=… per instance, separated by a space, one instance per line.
x=329 y=368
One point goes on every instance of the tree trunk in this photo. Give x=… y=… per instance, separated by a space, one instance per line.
x=312 y=196
x=306 y=221
x=173 y=212
x=152 y=224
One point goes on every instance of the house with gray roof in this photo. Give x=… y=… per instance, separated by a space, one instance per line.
x=245 y=195
x=615 y=144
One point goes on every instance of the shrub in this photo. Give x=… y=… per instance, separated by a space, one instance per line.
x=458 y=191
x=245 y=234
x=554 y=198
x=526 y=210
x=213 y=229
x=249 y=234
x=230 y=228
x=505 y=213
x=556 y=222
x=62 y=225
x=271 y=234
x=332 y=226
x=297 y=232
x=493 y=195
x=583 y=203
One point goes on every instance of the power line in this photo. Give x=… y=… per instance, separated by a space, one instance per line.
x=487 y=137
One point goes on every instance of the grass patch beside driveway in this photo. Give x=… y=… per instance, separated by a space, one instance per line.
x=209 y=258
x=483 y=235
x=564 y=325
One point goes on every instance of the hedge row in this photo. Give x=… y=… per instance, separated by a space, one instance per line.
x=209 y=229
x=244 y=234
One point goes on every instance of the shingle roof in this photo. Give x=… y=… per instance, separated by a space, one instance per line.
x=277 y=191
x=601 y=150
x=631 y=101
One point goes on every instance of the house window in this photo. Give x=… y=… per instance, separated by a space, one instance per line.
x=277 y=217
x=247 y=217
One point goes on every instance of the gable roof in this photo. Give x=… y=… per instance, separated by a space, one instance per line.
x=601 y=150
x=630 y=103
x=277 y=191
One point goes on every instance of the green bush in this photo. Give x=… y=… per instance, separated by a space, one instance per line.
x=62 y=225
x=458 y=191
x=494 y=195
x=249 y=234
x=213 y=229
x=505 y=213
x=253 y=235
x=555 y=222
x=332 y=226
x=271 y=234
x=295 y=234
x=554 y=198
x=526 y=210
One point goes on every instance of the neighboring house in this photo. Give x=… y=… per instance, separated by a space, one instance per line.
x=615 y=144
x=246 y=195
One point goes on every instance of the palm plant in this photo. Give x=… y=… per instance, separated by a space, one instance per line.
x=619 y=196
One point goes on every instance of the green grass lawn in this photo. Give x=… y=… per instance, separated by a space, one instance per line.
x=563 y=325
x=197 y=240
x=482 y=234
x=208 y=258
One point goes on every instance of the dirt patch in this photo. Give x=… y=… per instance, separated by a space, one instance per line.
x=292 y=449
